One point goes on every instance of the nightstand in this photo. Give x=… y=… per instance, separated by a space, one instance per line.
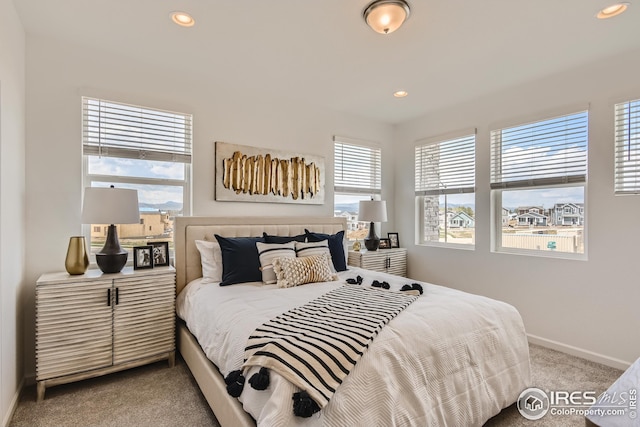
x=95 y=324
x=393 y=261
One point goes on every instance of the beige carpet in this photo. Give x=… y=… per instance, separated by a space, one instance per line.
x=157 y=396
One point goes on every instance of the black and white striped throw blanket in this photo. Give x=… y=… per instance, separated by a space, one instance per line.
x=315 y=346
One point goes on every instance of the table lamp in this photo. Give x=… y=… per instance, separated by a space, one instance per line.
x=110 y=206
x=374 y=211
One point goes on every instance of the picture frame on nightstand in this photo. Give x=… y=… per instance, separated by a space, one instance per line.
x=160 y=253
x=142 y=257
x=394 y=239
x=385 y=243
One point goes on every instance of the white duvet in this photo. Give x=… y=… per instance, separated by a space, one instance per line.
x=451 y=358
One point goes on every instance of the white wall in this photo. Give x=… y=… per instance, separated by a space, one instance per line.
x=12 y=193
x=590 y=308
x=58 y=74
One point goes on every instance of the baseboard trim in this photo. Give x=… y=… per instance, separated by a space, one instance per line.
x=579 y=352
x=14 y=404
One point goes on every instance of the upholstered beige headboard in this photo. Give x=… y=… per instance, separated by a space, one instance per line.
x=190 y=229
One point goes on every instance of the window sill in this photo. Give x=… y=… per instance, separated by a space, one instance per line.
x=541 y=254
x=461 y=246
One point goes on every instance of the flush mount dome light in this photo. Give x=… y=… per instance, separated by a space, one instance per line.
x=386 y=16
x=183 y=19
x=400 y=94
x=613 y=10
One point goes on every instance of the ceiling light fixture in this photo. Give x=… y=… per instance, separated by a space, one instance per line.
x=613 y=10
x=183 y=19
x=386 y=16
x=400 y=94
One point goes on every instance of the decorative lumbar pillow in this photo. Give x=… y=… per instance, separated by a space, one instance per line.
x=298 y=271
x=240 y=261
x=268 y=252
x=211 y=260
x=312 y=248
x=336 y=247
x=284 y=239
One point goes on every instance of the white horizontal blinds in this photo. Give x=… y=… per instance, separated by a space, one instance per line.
x=627 y=164
x=112 y=129
x=547 y=152
x=446 y=167
x=357 y=168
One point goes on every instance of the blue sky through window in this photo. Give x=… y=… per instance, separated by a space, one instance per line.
x=156 y=194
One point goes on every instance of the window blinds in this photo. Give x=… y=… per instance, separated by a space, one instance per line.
x=547 y=152
x=112 y=129
x=446 y=167
x=357 y=168
x=627 y=154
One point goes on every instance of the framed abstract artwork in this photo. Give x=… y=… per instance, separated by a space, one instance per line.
x=251 y=174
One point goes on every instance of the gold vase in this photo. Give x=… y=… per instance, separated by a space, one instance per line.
x=77 y=260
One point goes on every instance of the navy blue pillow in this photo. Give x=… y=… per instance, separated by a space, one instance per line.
x=284 y=239
x=336 y=246
x=240 y=260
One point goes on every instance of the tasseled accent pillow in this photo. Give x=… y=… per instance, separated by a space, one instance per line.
x=298 y=271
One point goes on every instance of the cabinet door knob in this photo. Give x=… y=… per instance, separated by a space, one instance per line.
x=117 y=296
x=109 y=297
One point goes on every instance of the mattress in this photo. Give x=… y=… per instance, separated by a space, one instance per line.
x=451 y=358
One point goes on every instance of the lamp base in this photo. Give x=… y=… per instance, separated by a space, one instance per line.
x=111 y=258
x=372 y=242
x=112 y=263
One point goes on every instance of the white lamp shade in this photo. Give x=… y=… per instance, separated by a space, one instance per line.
x=110 y=206
x=372 y=210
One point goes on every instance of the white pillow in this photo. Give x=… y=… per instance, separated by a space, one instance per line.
x=314 y=248
x=307 y=269
x=270 y=251
x=211 y=260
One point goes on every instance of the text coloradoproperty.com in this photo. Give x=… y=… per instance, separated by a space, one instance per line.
x=584 y=412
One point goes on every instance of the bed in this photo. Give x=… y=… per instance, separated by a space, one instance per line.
x=450 y=358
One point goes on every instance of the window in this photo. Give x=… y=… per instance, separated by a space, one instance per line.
x=357 y=176
x=538 y=176
x=138 y=148
x=627 y=166
x=445 y=190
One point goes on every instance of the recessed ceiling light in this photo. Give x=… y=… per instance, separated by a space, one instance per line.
x=400 y=94
x=613 y=10
x=183 y=19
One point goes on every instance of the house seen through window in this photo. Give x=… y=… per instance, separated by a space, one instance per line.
x=143 y=149
x=445 y=190
x=357 y=176
x=538 y=176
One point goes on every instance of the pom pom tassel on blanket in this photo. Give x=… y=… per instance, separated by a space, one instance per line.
x=235 y=383
x=413 y=287
x=260 y=380
x=303 y=405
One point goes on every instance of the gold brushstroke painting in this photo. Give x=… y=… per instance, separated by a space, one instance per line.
x=252 y=174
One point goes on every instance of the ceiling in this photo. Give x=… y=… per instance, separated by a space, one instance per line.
x=322 y=52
